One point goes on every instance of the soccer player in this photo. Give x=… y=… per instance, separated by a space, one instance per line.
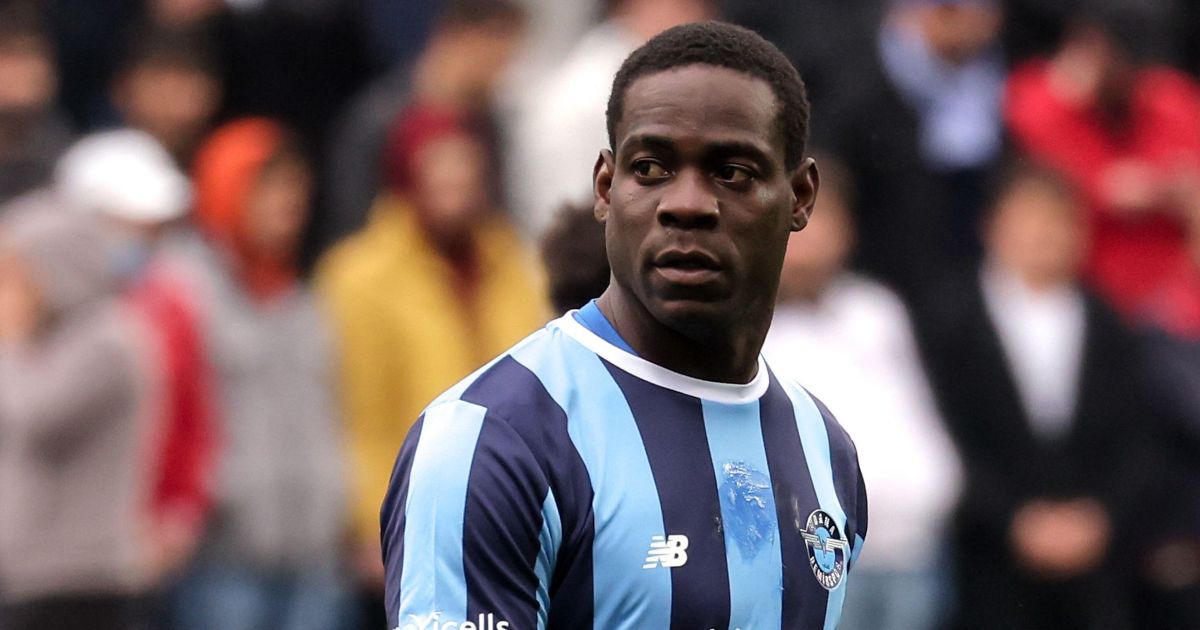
x=636 y=464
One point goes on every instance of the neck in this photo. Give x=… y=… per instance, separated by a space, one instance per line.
x=708 y=351
x=1044 y=283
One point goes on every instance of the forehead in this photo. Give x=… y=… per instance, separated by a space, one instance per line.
x=702 y=102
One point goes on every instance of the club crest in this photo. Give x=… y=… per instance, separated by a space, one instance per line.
x=827 y=549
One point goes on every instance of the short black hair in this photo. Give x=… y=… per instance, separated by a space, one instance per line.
x=19 y=22
x=575 y=258
x=186 y=48
x=1140 y=28
x=475 y=13
x=1020 y=170
x=726 y=46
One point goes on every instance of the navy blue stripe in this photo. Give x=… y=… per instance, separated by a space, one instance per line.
x=392 y=518
x=860 y=509
x=846 y=476
x=804 y=599
x=672 y=429
x=515 y=396
x=502 y=521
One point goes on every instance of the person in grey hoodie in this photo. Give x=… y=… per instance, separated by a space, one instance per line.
x=74 y=412
x=272 y=555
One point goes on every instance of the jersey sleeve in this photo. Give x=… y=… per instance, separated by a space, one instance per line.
x=468 y=527
x=860 y=530
x=847 y=480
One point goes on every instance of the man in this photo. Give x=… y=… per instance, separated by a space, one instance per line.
x=32 y=131
x=574 y=258
x=128 y=180
x=571 y=98
x=635 y=463
x=929 y=98
x=469 y=51
x=170 y=87
x=1124 y=131
x=1043 y=392
x=842 y=333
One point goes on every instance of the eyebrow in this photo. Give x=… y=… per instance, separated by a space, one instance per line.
x=721 y=147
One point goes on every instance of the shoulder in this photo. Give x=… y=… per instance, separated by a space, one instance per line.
x=864 y=296
x=820 y=429
x=1167 y=83
x=820 y=417
x=505 y=385
x=1028 y=82
x=841 y=445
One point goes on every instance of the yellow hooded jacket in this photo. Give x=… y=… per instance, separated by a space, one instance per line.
x=406 y=336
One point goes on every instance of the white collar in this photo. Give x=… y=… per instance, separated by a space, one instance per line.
x=729 y=393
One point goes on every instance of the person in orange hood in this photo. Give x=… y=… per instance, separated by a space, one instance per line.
x=271 y=557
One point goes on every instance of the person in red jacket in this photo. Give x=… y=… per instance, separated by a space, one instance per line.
x=129 y=180
x=1127 y=134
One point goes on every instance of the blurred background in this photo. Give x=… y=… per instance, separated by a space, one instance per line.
x=244 y=242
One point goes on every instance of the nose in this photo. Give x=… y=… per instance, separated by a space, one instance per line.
x=688 y=202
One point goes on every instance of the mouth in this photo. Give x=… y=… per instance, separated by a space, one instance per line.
x=691 y=267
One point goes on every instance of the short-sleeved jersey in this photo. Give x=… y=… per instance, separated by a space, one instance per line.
x=572 y=484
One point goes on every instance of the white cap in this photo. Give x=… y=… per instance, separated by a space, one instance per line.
x=124 y=174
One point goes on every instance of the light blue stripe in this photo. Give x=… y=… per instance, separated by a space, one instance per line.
x=549 y=538
x=837 y=600
x=858 y=545
x=626 y=506
x=814 y=438
x=432 y=580
x=748 y=515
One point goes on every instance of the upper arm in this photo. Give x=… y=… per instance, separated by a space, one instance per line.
x=464 y=527
x=56 y=392
x=859 y=536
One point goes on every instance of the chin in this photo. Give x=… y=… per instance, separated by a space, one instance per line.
x=696 y=319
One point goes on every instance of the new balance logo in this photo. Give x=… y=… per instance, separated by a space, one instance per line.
x=667 y=551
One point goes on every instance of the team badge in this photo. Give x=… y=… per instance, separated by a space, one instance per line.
x=826 y=549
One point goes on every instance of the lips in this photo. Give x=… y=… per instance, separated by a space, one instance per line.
x=689 y=267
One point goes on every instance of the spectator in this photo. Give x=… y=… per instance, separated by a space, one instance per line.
x=1170 y=574
x=921 y=131
x=1175 y=307
x=805 y=32
x=471 y=46
x=1169 y=569
x=572 y=100
x=1041 y=387
x=32 y=133
x=128 y=180
x=1126 y=134
x=271 y=555
x=849 y=340
x=170 y=87
x=436 y=284
x=574 y=257
x=75 y=417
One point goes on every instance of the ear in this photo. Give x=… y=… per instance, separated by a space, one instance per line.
x=805 y=182
x=602 y=177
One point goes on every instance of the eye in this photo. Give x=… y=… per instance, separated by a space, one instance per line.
x=734 y=174
x=650 y=169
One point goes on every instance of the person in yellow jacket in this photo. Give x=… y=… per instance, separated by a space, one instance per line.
x=431 y=289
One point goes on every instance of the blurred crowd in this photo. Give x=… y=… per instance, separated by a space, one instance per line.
x=244 y=242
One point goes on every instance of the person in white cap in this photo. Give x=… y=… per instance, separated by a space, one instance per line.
x=129 y=181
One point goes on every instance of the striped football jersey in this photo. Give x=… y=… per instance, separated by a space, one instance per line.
x=572 y=484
